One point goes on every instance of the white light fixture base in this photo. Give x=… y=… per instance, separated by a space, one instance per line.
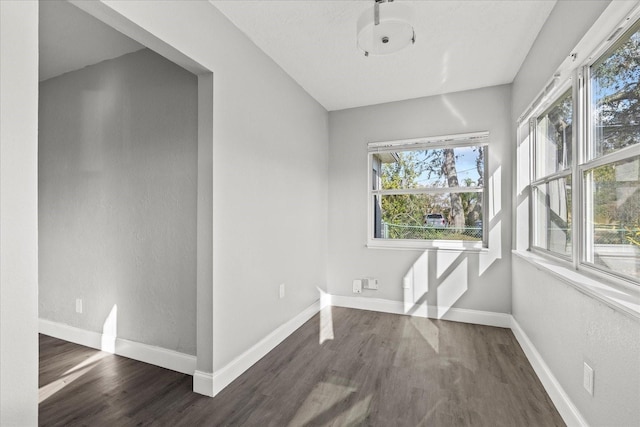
x=385 y=29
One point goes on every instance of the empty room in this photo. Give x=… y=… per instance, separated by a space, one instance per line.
x=319 y=212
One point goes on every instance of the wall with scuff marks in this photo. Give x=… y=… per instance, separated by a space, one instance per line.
x=117 y=199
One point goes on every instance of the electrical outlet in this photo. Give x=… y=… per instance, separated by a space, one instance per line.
x=370 y=283
x=79 y=305
x=281 y=290
x=357 y=286
x=587 y=380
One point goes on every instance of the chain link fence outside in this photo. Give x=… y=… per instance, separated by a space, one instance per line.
x=602 y=235
x=417 y=232
x=611 y=236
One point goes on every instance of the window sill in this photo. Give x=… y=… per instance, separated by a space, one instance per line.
x=620 y=297
x=439 y=245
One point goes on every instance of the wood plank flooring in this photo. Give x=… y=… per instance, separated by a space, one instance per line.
x=378 y=370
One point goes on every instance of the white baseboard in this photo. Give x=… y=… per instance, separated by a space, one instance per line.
x=487 y=318
x=70 y=333
x=223 y=377
x=169 y=359
x=203 y=383
x=565 y=406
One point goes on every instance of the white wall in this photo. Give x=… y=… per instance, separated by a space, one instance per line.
x=270 y=195
x=269 y=174
x=469 y=280
x=566 y=326
x=569 y=328
x=18 y=213
x=117 y=200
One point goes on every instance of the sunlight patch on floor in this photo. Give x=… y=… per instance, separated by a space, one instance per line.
x=356 y=414
x=323 y=397
x=69 y=376
x=429 y=331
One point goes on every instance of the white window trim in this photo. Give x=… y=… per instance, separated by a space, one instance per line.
x=473 y=139
x=551 y=94
x=619 y=294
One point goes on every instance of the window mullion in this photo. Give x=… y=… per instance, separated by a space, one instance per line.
x=533 y=221
x=580 y=118
x=561 y=174
x=616 y=156
x=584 y=197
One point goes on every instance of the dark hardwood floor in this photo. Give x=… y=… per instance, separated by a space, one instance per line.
x=378 y=370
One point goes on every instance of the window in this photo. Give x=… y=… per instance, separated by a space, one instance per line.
x=552 y=184
x=586 y=165
x=428 y=189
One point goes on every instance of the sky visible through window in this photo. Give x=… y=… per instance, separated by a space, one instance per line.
x=424 y=165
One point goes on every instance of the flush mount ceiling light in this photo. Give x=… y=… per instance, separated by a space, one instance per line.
x=385 y=29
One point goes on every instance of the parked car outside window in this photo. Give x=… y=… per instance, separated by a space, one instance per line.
x=435 y=220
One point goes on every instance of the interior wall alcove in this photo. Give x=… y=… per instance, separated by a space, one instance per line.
x=204 y=221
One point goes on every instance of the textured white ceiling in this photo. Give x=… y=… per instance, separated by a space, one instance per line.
x=71 y=39
x=460 y=45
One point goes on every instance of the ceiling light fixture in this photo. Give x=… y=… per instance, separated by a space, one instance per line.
x=385 y=29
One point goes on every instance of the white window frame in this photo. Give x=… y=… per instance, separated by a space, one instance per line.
x=474 y=139
x=535 y=181
x=578 y=78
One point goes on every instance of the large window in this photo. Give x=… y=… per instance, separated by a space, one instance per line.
x=428 y=189
x=586 y=165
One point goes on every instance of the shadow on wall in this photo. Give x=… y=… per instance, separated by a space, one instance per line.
x=448 y=273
